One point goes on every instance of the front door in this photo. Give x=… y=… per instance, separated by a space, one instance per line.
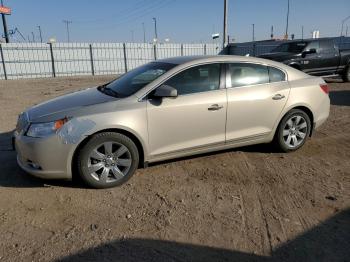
x=194 y=119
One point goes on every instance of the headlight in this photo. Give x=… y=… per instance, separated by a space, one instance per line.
x=41 y=130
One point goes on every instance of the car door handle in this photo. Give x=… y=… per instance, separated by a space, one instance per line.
x=278 y=97
x=215 y=107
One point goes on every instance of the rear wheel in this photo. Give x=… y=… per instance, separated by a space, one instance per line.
x=346 y=74
x=108 y=160
x=293 y=131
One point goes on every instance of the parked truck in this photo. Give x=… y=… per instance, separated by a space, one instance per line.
x=319 y=57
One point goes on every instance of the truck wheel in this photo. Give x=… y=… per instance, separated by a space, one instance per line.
x=346 y=74
x=108 y=160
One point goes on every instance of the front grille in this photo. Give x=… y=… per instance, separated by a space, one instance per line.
x=22 y=123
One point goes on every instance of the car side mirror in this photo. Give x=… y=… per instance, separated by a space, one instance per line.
x=308 y=52
x=165 y=91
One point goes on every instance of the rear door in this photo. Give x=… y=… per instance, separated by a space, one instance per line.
x=256 y=96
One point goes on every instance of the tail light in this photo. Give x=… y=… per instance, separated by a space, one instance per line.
x=325 y=88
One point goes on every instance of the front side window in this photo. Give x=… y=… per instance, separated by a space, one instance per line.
x=196 y=79
x=138 y=78
x=245 y=74
x=313 y=45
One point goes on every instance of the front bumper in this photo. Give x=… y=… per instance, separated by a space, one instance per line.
x=47 y=158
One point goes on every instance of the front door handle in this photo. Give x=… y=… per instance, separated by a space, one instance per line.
x=215 y=107
x=278 y=97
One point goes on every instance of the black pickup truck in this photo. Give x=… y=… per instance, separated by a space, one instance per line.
x=319 y=57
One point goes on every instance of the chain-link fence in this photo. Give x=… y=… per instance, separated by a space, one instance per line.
x=35 y=60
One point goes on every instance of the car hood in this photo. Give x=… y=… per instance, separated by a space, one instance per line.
x=278 y=56
x=68 y=103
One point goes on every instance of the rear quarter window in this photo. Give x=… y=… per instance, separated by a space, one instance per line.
x=276 y=75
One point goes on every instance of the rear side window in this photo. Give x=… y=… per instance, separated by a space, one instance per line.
x=245 y=74
x=276 y=75
x=327 y=46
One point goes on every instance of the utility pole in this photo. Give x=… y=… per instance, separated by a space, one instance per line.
x=272 y=32
x=286 y=35
x=40 y=35
x=144 y=32
x=132 y=36
x=302 y=32
x=342 y=24
x=224 y=44
x=67 y=22
x=7 y=39
x=155 y=29
x=253 y=32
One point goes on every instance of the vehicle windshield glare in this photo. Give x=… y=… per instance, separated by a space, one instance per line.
x=131 y=82
x=295 y=48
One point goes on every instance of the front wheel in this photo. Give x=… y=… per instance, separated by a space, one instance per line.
x=293 y=131
x=108 y=160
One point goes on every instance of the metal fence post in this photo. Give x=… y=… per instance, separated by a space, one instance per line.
x=92 y=60
x=205 y=49
x=155 y=51
x=3 y=62
x=125 y=59
x=182 y=49
x=52 y=61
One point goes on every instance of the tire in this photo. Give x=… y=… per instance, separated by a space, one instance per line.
x=107 y=160
x=289 y=128
x=346 y=74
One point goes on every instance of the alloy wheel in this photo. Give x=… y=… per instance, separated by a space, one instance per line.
x=109 y=162
x=295 y=131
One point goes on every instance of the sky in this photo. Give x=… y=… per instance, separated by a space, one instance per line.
x=186 y=21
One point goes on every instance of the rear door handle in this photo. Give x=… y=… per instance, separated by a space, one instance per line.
x=215 y=107
x=278 y=97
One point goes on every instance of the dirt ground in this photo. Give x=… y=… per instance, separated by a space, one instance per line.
x=246 y=204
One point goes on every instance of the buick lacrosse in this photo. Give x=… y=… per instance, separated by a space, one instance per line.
x=168 y=109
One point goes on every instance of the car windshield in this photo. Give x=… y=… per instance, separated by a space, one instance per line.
x=296 y=47
x=131 y=82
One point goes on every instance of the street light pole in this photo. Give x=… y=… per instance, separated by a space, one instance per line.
x=7 y=39
x=155 y=28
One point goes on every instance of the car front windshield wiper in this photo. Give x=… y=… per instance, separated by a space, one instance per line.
x=108 y=91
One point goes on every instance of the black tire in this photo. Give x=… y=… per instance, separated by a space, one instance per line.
x=84 y=160
x=280 y=140
x=346 y=74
